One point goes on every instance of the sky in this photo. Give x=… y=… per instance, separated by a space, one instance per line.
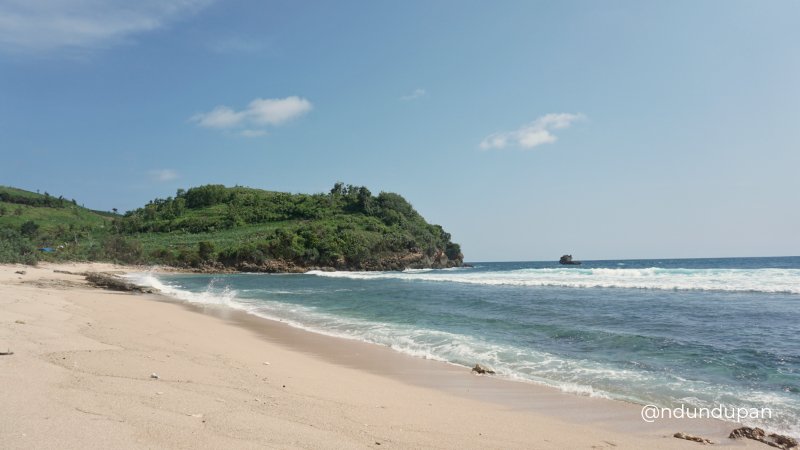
x=607 y=130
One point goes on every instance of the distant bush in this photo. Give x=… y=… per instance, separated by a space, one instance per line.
x=164 y=256
x=121 y=249
x=32 y=199
x=16 y=248
x=187 y=257
x=29 y=228
x=453 y=251
x=248 y=253
x=205 y=250
x=208 y=195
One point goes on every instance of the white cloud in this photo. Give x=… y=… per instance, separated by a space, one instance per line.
x=219 y=117
x=536 y=133
x=36 y=26
x=258 y=114
x=418 y=93
x=271 y=111
x=252 y=133
x=163 y=175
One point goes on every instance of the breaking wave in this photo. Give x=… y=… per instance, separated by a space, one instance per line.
x=785 y=281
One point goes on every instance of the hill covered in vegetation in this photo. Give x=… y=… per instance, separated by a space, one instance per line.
x=30 y=221
x=214 y=227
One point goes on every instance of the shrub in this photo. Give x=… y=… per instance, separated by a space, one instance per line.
x=16 y=248
x=188 y=258
x=205 y=250
x=121 y=249
x=29 y=228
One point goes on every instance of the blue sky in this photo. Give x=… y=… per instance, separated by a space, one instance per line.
x=527 y=129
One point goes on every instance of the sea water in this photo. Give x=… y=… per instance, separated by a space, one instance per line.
x=693 y=332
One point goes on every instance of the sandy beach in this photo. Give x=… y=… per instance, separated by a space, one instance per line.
x=84 y=366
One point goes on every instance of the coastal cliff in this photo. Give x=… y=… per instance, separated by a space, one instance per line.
x=388 y=262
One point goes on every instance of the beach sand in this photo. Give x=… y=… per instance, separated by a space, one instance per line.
x=80 y=377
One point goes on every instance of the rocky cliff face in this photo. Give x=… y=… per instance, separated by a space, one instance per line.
x=394 y=261
x=411 y=260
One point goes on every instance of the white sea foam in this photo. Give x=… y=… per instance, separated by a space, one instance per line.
x=212 y=295
x=732 y=280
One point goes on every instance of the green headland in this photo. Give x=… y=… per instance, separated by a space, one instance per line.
x=218 y=228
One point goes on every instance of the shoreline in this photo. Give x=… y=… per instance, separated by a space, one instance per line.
x=334 y=375
x=455 y=379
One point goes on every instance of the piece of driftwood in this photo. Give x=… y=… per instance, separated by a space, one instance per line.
x=693 y=438
x=67 y=272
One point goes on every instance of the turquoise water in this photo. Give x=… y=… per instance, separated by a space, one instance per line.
x=698 y=332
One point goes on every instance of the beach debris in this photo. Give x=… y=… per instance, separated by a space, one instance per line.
x=20 y=272
x=757 y=434
x=479 y=369
x=6 y=353
x=154 y=376
x=21 y=322
x=115 y=283
x=266 y=363
x=690 y=437
x=67 y=272
x=195 y=415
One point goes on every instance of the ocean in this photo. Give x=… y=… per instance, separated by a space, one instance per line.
x=693 y=332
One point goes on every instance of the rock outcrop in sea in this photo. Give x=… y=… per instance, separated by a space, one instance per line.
x=567 y=260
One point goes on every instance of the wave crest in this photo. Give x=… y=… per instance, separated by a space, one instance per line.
x=785 y=281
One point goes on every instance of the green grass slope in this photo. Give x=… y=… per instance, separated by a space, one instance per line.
x=29 y=220
x=214 y=227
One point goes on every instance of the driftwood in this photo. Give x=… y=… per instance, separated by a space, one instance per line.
x=67 y=272
x=8 y=353
x=693 y=438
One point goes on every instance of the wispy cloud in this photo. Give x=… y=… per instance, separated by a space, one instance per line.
x=219 y=117
x=258 y=114
x=163 y=175
x=536 y=133
x=418 y=93
x=41 y=26
x=252 y=133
